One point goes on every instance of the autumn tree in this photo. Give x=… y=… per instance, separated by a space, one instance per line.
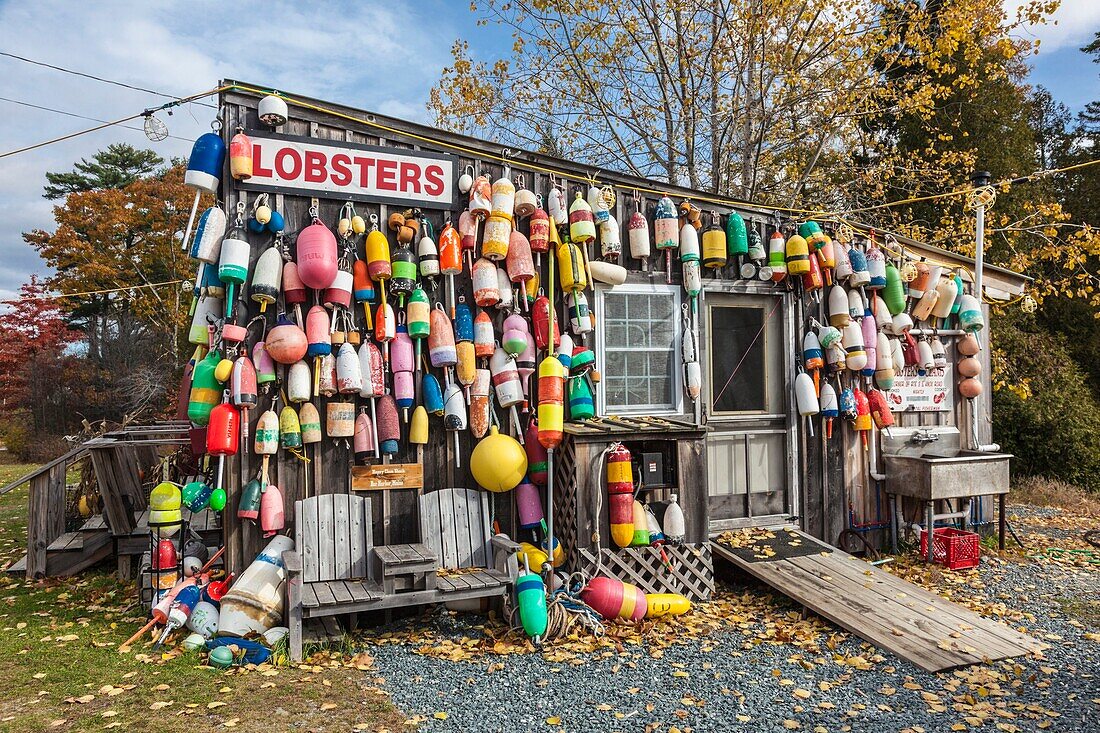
x=109 y=239
x=40 y=388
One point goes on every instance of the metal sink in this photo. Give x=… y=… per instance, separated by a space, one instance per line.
x=929 y=464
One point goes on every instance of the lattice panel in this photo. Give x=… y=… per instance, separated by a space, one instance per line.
x=565 y=499
x=691 y=575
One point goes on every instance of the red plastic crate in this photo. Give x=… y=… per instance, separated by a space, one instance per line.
x=953 y=548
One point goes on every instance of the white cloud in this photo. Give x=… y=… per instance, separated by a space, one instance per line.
x=374 y=54
x=1073 y=24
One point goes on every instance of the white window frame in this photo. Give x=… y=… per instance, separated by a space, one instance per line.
x=672 y=291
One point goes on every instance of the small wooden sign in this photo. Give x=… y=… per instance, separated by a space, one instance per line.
x=387 y=476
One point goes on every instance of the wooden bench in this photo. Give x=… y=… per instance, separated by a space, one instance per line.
x=454 y=524
x=329 y=571
x=335 y=569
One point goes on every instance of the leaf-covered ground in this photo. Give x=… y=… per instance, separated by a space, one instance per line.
x=60 y=669
x=749 y=661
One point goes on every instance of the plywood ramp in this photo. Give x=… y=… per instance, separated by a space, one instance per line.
x=893 y=614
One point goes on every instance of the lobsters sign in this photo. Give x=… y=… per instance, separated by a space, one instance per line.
x=339 y=170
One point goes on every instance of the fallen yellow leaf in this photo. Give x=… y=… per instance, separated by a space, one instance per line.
x=553 y=720
x=440 y=716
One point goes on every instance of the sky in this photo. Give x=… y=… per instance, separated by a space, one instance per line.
x=379 y=55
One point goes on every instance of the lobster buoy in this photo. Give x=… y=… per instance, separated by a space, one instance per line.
x=876 y=268
x=205 y=389
x=484 y=336
x=666 y=604
x=363 y=440
x=925 y=360
x=880 y=410
x=640 y=537
x=839 y=315
x=272 y=517
x=273 y=111
x=498 y=462
x=805 y=395
x=856 y=306
x=418 y=426
x=388 y=425
x=432 y=395
x=673 y=521
x=969 y=367
x=813 y=279
x=620 y=488
x=529 y=505
x=638 y=235
x=714 y=244
x=830 y=408
x=204 y=166
x=970 y=388
x=939 y=353
x=777 y=256
x=855 y=356
x=860 y=275
x=540 y=319
x=582 y=226
x=316 y=256
x=894 y=292
x=290 y=428
x=531 y=604
x=797 y=255
x=870 y=343
x=572 y=274
x=498 y=235
x=607 y=272
x=666 y=227
x=504 y=287
x=503 y=201
x=402 y=364
x=967 y=345
x=551 y=411
x=843 y=268
x=485 y=283
x=611 y=245
x=946 y=294
x=206 y=247
x=240 y=156
x=441 y=340
x=580 y=316
x=970 y=314
x=737 y=240
x=884 y=362
x=267 y=278
x=537 y=457
x=612 y=598
x=255 y=602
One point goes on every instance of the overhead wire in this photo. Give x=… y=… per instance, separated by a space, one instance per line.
x=86 y=293
x=93 y=77
x=81 y=117
x=112 y=123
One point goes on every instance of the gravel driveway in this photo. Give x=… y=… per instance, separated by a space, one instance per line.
x=750 y=662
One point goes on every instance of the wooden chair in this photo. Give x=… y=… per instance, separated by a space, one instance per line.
x=329 y=570
x=454 y=524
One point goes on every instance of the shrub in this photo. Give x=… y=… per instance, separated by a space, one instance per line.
x=1044 y=411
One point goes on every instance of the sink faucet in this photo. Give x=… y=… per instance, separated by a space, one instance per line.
x=924 y=437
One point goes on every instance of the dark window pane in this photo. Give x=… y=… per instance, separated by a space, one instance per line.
x=736 y=361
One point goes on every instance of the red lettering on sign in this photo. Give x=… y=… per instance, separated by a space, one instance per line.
x=410 y=177
x=258 y=170
x=433 y=175
x=364 y=165
x=315 y=166
x=280 y=164
x=387 y=175
x=341 y=169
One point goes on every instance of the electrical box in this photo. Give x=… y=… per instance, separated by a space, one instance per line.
x=653 y=470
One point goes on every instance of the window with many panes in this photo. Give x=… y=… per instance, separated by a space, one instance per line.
x=640 y=327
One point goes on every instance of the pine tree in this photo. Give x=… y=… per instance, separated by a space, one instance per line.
x=116 y=167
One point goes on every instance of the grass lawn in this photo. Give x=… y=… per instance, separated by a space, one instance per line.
x=60 y=668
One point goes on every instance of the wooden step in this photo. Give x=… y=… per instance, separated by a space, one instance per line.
x=93 y=551
x=19 y=567
x=68 y=542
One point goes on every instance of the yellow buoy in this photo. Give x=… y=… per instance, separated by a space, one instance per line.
x=498 y=462
x=666 y=604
